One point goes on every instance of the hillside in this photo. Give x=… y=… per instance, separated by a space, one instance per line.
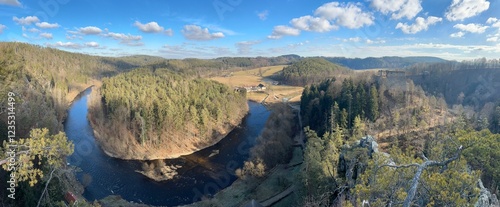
x=47 y=80
x=219 y=66
x=159 y=114
x=310 y=70
x=382 y=62
x=408 y=127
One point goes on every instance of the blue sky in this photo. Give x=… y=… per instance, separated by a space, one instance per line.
x=450 y=29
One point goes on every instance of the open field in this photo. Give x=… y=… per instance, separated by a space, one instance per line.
x=254 y=77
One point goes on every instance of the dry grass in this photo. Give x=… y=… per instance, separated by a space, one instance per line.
x=253 y=78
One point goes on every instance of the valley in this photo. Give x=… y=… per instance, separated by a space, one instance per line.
x=281 y=134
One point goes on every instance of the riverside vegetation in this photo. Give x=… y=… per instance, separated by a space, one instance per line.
x=436 y=126
x=45 y=81
x=156 y=114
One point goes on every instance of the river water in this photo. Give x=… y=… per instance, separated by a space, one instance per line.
x=201 y=175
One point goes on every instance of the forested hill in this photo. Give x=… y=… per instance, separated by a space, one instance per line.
x=45 y=80
x=154 y=114
x=411 y=127
x=382 y=62
x=219 y=66
x=310 y=70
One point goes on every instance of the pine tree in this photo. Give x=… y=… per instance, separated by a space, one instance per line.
x=373 y=108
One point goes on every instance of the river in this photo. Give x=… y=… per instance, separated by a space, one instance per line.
x=201 y=175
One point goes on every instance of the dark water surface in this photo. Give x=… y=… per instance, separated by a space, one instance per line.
x=199 y=176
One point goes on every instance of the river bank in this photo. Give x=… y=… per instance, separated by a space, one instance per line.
x=126 y=135
x=201 y=175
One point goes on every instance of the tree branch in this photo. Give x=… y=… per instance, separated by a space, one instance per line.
x=420 y=169
x=414 y=184
x=45 y=189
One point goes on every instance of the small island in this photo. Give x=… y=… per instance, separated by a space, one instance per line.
x=155 y=114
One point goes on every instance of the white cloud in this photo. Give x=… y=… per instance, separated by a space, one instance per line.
x=493 y=38
x=72 y=37
x=472 y=28
x=245 y=47
x=263 y=14
x=368 y=41
x=420 y=24
x=195 y=32
x=169 y=32
x=11 y=2
x=491 y=20
x=151 y=27
x=494 y=22
x=463 y=9
x=457 y=35
x=46 y=25
x=398 y=8
x=46 y=35
x=349 y=15
x=210 y=26
x=126 y=39
x=31 y=30
x=69 y=45
x=295 y=45
x=90 y=30
x=92 y=44
x=281 y=30
x=314 y=24
x=2 y=27
x=352 y=39
x=26 y=20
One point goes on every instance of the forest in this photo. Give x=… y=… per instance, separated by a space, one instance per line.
x=155 y=114
x=382 y=62
x=309 y=70
x=434 y=156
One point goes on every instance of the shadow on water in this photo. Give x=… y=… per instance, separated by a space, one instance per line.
x=203 y=173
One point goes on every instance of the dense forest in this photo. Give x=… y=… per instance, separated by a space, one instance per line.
x=382 y=62
x=151 y=114
x=428 y=150
x=310 y=70
x=43 y=81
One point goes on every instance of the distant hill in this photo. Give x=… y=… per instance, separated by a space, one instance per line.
x=141 y=59
x=310 y=70
x=382 y=62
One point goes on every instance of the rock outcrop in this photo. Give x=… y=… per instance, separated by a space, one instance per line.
x=486 y=199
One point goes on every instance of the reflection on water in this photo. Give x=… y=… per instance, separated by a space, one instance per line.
x=202 y=174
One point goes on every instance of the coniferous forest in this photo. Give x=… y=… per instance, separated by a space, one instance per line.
x=152 y=114
x=423 y=153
